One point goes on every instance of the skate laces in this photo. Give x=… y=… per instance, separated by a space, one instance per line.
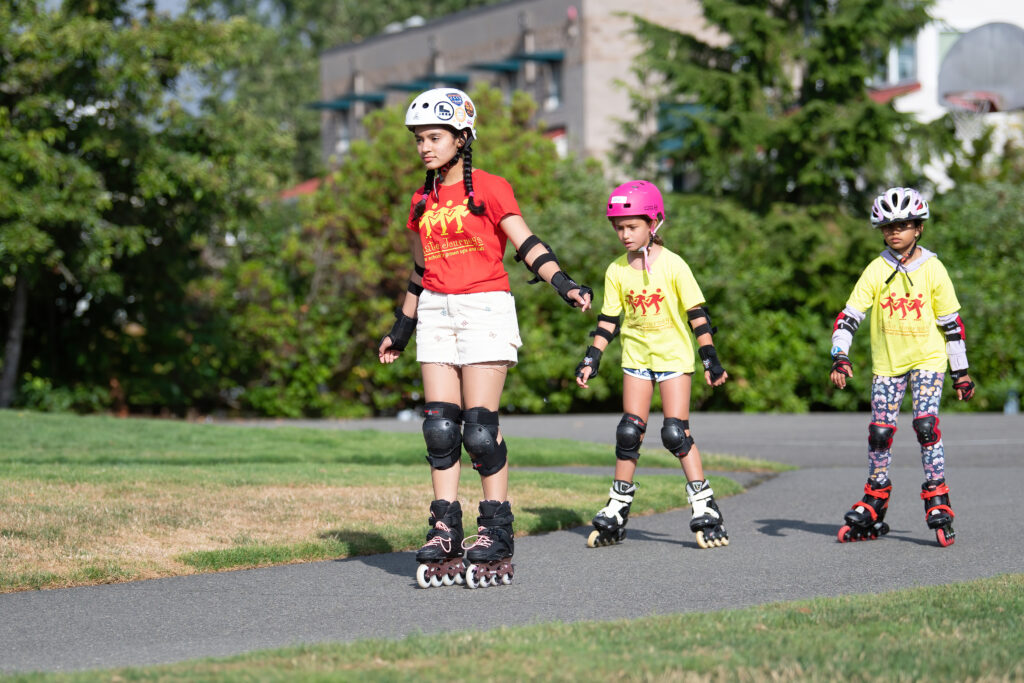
x=444 y=541
x=482 y=539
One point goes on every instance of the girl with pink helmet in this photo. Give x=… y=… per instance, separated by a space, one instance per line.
x=460 y=306
x=661 y=307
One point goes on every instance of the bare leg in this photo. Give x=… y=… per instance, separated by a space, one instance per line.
x=481 y=388
x=675 y=400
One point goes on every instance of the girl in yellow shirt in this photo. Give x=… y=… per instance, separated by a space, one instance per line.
x=916 y=331
x=655 y=294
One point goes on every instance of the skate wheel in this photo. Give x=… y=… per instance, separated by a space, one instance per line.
x=594 y=539
x=493 y=581
x=459 y=579
x=471 y=577
x=506 y=579
x=844 y=534
x=421 y=576
x=944 y=540
x=701 y=541
x=436 y=581
x=447 y=580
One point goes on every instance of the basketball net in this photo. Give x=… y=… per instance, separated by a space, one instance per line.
x=968 y=110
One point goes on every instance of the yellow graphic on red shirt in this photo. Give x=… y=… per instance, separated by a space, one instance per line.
x=451 y=238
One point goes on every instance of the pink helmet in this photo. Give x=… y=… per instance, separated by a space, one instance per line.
x=637 y=198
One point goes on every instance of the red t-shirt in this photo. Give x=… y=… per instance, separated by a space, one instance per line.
x=462 y=252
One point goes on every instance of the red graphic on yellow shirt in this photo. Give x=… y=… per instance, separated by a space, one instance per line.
x=903 y=305
x=444 y=218
x=643 y=301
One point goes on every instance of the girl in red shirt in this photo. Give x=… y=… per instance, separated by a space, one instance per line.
x=460 y=306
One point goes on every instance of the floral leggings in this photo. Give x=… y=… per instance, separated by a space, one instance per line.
x=886 y=396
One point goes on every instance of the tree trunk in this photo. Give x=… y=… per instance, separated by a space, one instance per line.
x=15 y=334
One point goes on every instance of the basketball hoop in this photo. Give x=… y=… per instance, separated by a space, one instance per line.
x=968 y=109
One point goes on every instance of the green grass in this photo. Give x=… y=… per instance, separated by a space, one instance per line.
x=35 y=439
x=99 y=499
x=959 y=632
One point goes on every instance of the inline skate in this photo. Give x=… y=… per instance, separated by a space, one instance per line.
x=610 y=521
x=490 y=554
x=441 y=557
x=937 y=512
x=707 y=518
x=864 y=521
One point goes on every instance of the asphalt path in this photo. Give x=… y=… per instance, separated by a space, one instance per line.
x=782 y=547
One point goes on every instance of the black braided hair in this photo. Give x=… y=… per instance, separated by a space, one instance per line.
x=467 y=180
x=428 y=187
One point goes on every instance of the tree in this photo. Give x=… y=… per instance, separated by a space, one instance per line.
x=111 y=186
x=777 y=109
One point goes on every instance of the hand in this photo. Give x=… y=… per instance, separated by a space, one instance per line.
x=964 y=387
x=717 y=382
x=582 y=376
x=580 y=298
x=841 y=369
x=385 y=353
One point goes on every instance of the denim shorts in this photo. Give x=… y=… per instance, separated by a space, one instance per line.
x=462 y=329
x=644 y=373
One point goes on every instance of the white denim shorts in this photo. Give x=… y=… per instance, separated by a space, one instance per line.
x=462 y=329
x=644 y=373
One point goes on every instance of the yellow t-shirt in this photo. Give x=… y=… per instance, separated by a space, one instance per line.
x=904 y=335
x=655 y=330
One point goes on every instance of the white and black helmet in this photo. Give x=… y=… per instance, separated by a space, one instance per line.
x=898 y=204
x=443 y=106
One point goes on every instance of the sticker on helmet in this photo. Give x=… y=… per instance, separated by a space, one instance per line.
x=460 y=114
x=455 y=98
x=444 y=111
x=618 y=199
x=470 y=112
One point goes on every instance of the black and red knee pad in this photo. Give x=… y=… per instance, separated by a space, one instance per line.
x=880 y=436
x=927 y=429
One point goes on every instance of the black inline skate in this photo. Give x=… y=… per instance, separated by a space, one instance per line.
x=937 y=512
x=864 y=521
x=441 y=557
x=490 y=554
x=707 y=520
x=610 y=521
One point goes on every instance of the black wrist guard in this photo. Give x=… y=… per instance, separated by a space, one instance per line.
x=841 y=362
x=709 y=357
x=401 y=331
x=592 y=360
x=564 y=284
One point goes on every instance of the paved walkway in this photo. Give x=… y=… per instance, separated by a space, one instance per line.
x=782 y=548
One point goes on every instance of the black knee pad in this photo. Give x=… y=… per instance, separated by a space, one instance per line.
x=674 y=438
x=880 y=436
x=628 y=437
x=927 y=428
x=481 y=439
x=441 y=431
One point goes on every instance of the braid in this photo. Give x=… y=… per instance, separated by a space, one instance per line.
x=467 y=180
x=428 y=187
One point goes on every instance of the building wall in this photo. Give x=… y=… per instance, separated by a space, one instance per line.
x=593 y=35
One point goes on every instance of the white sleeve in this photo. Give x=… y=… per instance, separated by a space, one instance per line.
x=956 y=347
x=846 y=324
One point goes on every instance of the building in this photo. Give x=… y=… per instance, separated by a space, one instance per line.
x=571 y=55
x=575 y=58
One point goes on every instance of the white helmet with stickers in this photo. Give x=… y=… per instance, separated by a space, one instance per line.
x=442 y=106
x=898 y=204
